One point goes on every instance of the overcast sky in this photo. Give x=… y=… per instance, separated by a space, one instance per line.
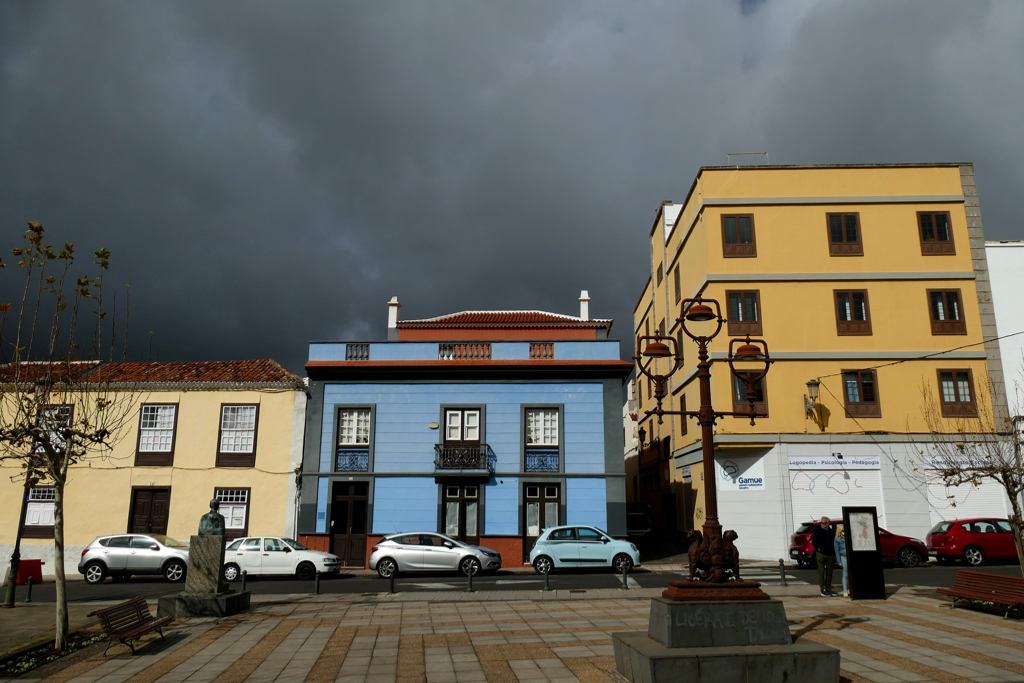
x=267 y=173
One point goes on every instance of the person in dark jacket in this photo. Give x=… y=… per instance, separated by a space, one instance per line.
x=823 y=539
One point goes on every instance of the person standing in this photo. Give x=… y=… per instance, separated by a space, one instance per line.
x=840 y=547
x=823 y=539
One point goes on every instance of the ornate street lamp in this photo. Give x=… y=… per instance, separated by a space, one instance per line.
x=714 y=559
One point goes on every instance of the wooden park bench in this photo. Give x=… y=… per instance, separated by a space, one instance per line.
x=129 y=621
x=1007 y=591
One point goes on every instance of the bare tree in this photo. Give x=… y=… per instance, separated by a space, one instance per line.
x=969 y=446
x=56 y=409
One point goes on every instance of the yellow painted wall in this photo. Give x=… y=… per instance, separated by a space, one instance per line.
x=98 y=495
x=799 y=316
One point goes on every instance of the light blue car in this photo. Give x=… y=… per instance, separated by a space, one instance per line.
x=581 y=546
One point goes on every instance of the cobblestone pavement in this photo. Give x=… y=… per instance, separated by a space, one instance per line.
x=563 y=639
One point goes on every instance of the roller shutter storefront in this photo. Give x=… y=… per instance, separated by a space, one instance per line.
x=987 y=500
x=820 y=489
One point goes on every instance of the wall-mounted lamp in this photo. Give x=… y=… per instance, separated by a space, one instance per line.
x=643 y=434
x=811 y=397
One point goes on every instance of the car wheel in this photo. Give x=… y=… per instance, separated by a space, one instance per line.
x=543 y=565
x=232 y=573
x=973 y=555
x=468 y=565
x=305 y=571
x=908 y=557
x=622 y=563
x=386 y=568
x=95 y=572
x=174 y=571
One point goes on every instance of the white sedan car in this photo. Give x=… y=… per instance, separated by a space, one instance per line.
x=273 y=555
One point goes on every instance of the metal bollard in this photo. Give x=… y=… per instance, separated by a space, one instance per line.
x=316 y=585
x=625 y=582
x=391 y=583
x=782 y=571
x=547 y=581
x=469 y=575
x=28 y=597
x=243 y=579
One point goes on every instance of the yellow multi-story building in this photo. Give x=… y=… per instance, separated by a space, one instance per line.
x=230 y=430
x=869 y=279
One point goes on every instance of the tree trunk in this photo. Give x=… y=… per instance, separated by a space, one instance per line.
x=1017 y=524
x=61 y=639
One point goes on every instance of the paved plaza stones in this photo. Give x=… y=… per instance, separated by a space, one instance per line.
x=531 y=638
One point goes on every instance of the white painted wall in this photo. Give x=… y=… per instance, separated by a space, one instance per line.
x=1006 y=270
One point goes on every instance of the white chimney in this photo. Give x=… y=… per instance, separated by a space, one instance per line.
x=393 y=307
x=584 y=305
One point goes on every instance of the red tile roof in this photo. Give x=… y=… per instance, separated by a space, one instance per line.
x=35 y=370
x=502 y=319
x=263 y=371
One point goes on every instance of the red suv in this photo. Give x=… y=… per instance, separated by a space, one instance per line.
x=903 y=550
x=971 y=540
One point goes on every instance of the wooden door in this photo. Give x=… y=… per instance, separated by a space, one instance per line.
x=150 y=511
x=462 y=512
x=542 y=508
x=349 y=522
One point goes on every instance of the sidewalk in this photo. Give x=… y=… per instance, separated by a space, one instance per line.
x=533 y=637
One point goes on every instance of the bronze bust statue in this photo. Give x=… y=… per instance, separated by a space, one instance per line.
x=212 y=523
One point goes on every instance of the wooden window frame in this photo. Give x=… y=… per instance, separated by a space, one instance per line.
x=679 y=291
x=157 y=458
x=739 y=250
x=739 y=328
x=943 y=327
x=844 y=248
x=852 y=328
x=38 y=530
x=858 y=409
x=233 y=458
x=759 y=406
x=232 y=534
x=661 y=273
x=958 y=408
x=936 y=247
x=683 y=419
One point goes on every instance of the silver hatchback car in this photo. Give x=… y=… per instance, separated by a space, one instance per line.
x=124 y=555
x=428 y=551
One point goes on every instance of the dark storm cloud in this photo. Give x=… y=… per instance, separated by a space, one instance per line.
x=270 y=173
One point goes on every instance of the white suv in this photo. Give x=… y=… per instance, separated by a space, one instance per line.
x=274 y=555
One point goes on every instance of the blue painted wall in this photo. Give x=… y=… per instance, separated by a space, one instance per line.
x=404 y=504
x=321 y=505
x=585 y=502
x=501 y=505
x=405 y=443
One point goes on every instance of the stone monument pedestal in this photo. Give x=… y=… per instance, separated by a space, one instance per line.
x=205 y=594
x=721 y=641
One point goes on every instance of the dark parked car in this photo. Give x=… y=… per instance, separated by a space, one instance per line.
x=903 y=550
x=638 y=525
x=971 y=540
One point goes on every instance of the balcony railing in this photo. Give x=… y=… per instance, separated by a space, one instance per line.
x=352 y=460
x=542 y=460
x=475 y=351
x=542 y=351
x=357 y=352
x=455 y=457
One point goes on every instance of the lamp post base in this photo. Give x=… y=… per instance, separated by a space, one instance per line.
x=704 y=591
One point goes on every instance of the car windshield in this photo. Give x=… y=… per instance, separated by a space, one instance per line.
x=294 y=544
x=941 y=528
x=168 y=541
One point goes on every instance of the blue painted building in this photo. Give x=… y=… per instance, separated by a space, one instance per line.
x=487 y=426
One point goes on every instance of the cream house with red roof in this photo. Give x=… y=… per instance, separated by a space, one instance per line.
x=230 y=430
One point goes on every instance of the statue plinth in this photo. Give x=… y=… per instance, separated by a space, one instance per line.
x=691 y=591
x=206 y=593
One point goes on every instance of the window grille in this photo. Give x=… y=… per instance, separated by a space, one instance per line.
x=238 y=429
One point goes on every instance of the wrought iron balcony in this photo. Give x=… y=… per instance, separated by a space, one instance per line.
x=352 y=460
x=542 y=460
x=456 y=457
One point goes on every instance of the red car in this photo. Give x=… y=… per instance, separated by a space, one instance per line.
x=971 y=540
x=903 y=550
